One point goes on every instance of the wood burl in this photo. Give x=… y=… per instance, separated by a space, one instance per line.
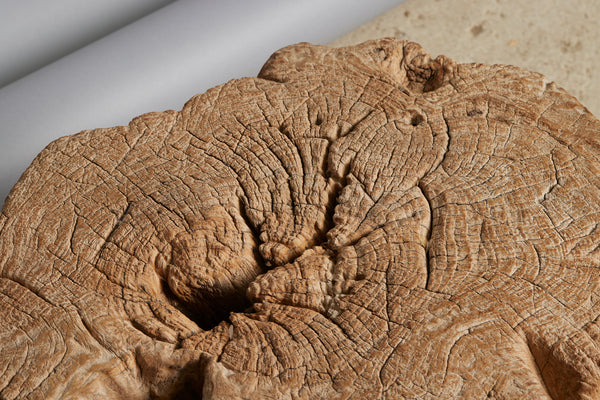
x=361 y=222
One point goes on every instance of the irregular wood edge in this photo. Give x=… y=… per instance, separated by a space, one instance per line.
x=433 y=79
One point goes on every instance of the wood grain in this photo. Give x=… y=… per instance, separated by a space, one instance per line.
x=361 y=222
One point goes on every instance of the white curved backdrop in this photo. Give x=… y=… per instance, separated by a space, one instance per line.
x=157 y=63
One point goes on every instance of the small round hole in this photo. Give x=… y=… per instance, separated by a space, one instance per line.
x=360 y=277
x=416 y=119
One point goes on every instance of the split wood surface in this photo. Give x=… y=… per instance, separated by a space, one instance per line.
x=361 y=222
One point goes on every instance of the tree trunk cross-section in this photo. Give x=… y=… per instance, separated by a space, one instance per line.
x=362 y=222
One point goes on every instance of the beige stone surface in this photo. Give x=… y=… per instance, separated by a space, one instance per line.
x=555 y=37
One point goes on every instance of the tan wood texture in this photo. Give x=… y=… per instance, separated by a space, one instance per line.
x=362 y=222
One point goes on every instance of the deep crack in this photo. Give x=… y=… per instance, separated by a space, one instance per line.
x=428 y=240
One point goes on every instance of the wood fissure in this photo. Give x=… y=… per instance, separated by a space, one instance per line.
x=360 y=222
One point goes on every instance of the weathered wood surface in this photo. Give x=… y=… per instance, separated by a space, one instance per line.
x=378 y=223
